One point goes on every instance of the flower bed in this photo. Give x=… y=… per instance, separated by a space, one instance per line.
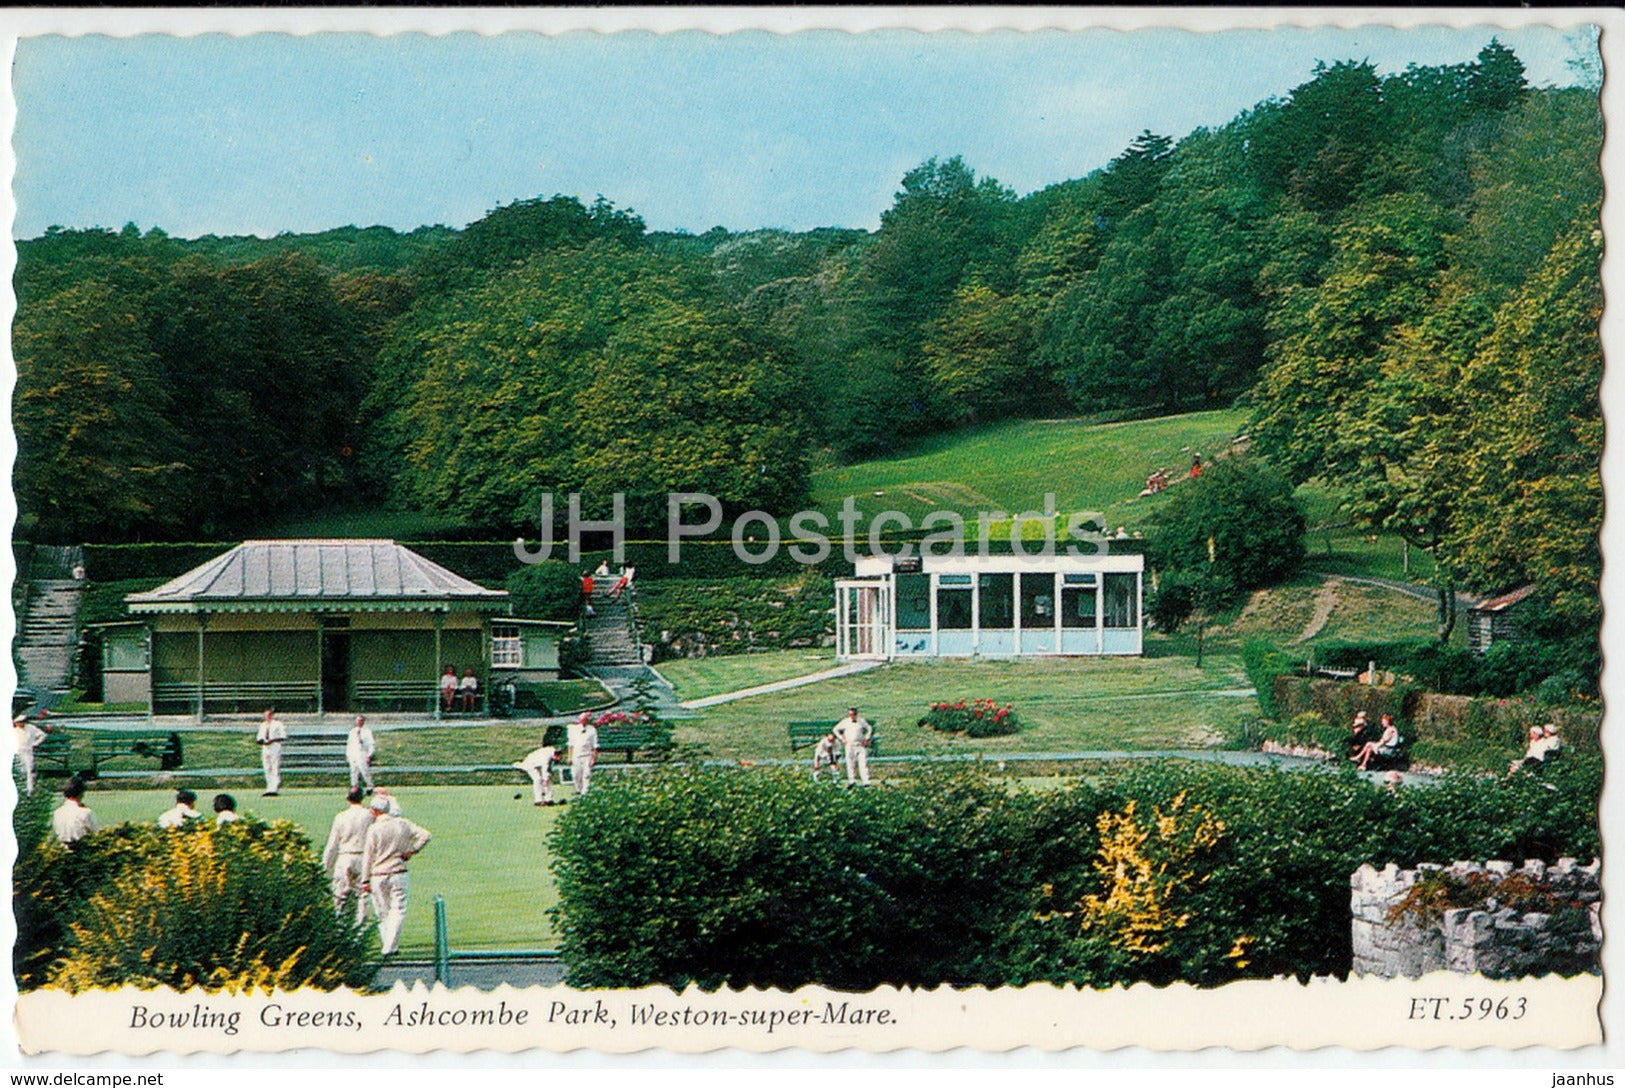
x=973 y=717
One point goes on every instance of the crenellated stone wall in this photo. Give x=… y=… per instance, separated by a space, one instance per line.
x=1487 y=939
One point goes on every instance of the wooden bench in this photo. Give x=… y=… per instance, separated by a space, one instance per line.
x=107 y=745
x=55 y=749
x=315 y=752
x=808 y=734
x=255 y=694
x=632 y=739
x=398 y=694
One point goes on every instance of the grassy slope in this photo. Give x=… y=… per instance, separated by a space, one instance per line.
x=696 y=678
x=488 y=905
x=1010 y=466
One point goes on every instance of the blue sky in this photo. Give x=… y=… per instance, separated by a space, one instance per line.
x=269 y=133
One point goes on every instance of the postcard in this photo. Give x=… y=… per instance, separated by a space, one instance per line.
x=784 y=529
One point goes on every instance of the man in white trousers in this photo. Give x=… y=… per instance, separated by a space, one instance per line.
x=855 y=733
x=358 y=749
x=391 y=842
x=270 y=737
x=539 y=765
x=345 y=851
x=583 y=753
x=31 y=733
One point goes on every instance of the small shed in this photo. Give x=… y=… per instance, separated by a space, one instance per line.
x=323 y=625
x=1496 y=619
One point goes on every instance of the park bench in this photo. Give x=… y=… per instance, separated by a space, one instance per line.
x=631 y=739
x=55 y=749
x=398 y=694
x=808 y=734
x=304 y=751
x=107 y=745
x=254 y=694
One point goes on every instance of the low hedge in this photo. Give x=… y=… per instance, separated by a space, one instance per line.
x=122 y=562
x=953 y=877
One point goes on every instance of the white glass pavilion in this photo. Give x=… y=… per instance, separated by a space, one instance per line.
x=990 y=606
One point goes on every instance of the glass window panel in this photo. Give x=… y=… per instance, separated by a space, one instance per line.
x=1037 y=600
x=913 y=602
x=998 y=604
x=1078 y=579
x=506 y=653
x=1077 y=606
x=1122 y=600
x=953 y=579
x=124 y=652
x=953 y=609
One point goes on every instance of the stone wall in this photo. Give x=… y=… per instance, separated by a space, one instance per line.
x=1488 y=939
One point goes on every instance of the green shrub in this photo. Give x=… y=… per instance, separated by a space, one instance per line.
x=799 y=883
x=241 y=907
x=974 y=718
x=124 y=562
x=548 y=590
x=684 y=617
x=956 y=878
x=1240 y=518
x=1264 y=661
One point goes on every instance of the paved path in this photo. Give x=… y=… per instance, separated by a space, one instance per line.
x=470 y=969
x=781 y=685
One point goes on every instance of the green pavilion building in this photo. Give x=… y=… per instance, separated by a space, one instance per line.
x=318 y=626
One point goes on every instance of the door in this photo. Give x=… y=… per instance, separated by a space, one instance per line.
x=335 y=669
x=863 y=620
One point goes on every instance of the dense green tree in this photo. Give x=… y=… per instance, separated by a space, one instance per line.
x=1238 y=522
x=977 y=354
x=96 y=445
x=1530 y=440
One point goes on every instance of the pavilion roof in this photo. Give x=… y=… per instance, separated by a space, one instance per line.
x=307 y=575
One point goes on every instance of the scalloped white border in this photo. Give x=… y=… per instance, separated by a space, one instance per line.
x=1492 y=1066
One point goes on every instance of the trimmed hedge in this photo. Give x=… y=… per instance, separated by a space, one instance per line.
x=124 y=562
x=953 y=877
x=685 y=617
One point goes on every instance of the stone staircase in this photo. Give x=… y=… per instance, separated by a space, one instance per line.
x=48 y=632
x=611 y=630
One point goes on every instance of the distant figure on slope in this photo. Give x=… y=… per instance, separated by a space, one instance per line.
x=623 y=583
x=1196 y=465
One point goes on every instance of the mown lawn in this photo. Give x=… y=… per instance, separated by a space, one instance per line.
x=488 y=857
x=697 y=678
x=1064 y=705
x=1011 y=466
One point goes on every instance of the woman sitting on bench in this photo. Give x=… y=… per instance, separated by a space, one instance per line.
x=1384 y=746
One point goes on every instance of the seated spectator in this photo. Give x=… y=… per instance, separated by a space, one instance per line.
x=1383 y=747
x=1361 y=733
x=225 y=809
x=622 y=584
x=469 y=690
x=448 y=688
x=1554 y=743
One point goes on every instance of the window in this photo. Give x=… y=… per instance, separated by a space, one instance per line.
x=1077 y=606
x=1037 y=600
x=506 y=652
x=998 y=603
x=914 y=602
x=953 y=604
x=1122 y=600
